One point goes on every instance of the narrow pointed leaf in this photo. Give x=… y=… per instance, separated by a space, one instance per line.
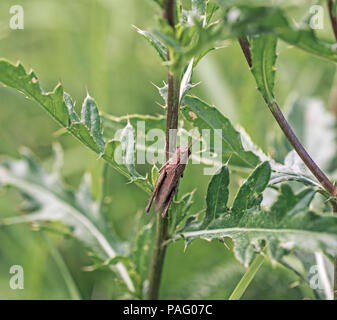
x=15 y=76
x=263 y=50
x=204 y=116
x=73 y=117
x=250 y=193
x=180 y=210
x=92 y=120
x=217 y=196
x=155 y=42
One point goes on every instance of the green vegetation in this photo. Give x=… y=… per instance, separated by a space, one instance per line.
x=72 y=213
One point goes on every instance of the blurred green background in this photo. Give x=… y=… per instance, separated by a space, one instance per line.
x=91 y=43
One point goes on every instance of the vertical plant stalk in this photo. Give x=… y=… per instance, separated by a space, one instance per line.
x=158 y=257
x=172 y=113
x=74 y=292
x=247 y=277
x=291 y=137
x=310 y=163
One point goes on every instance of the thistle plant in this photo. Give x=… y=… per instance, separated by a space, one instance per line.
x=289 y=230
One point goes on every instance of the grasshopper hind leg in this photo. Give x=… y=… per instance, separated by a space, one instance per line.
x=167 y=206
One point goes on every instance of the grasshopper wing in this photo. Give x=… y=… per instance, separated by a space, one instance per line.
x=156 y=188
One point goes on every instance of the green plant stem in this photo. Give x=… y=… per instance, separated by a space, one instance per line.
x=69 y=281
x=310 y=163
x=291 y=137
x=247 y=277
x=172 y=113
x=158 y=257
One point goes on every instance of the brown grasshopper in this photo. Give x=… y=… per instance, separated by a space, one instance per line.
x=168 y=180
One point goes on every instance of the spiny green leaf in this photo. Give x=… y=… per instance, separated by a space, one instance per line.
x=139 y=122
x=110 y=154
x=217 y=196
x=293 y=168
x=73 y=117
x=188 y=42
x=185 y=85
x=306 y=40
x=155 y=42
x=288 y=225
x=198 y=12
x=203 y=116
x=199 y=6
x=90 y=117
x=61 y=108
x=82 y=132
x=289 y=203
x=250 y=193
x=179 y=211
x=163 y=91
x=76 y=210
x=128 y=147
x=28 y=83
x=210 y=11
x=249 y=196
